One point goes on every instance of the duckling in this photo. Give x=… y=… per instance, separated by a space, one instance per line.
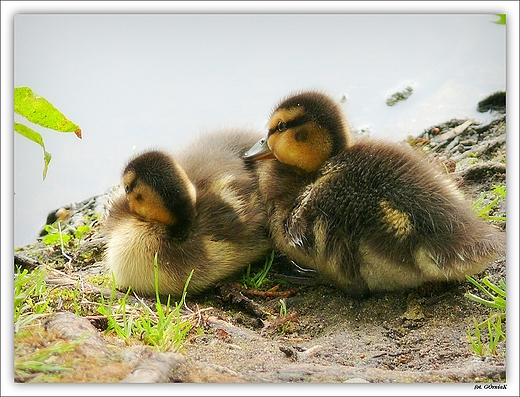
x=365 y=216
x=200 y=210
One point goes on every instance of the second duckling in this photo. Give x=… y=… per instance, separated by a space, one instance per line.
x=366 y=216
x=200 y=211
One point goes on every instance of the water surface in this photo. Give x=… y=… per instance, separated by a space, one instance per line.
x=134 y=82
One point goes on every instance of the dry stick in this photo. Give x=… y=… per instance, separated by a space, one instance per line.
x=233 y=293
x=266 y=294
x=453 y=132
x=482 y=148
x=476 y=171
x=67 y=266
x=25 y=262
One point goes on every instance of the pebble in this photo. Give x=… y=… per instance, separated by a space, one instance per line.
x=356 y=380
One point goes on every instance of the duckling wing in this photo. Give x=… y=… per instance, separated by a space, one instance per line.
x=395 y=203
x=332 y=197
x=361 y=196
x=297 y=225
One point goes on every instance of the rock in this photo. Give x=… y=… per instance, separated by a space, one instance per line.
x=160 y=368
x=72 y=327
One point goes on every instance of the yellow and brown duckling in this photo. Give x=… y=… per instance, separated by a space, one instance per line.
x=365 y=216
x=199 y=211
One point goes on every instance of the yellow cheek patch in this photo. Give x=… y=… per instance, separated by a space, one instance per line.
x=308 y=154
x=146 y=203
x=397 y=221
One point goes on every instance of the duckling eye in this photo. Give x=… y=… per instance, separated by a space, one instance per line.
x=282 y=126
x=127 y=189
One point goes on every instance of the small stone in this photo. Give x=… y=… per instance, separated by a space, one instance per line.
x=356 y=380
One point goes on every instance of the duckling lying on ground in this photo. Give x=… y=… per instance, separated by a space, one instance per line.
x=201 y=211
x=366 y=216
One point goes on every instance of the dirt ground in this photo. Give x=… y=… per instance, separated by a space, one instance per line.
x=412 y=336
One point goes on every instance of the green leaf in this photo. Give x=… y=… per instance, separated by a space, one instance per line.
x=81 y=231
x=39 y=110
x=35 y=137
x=50 y=229
x=55 y=238
x=501 y=19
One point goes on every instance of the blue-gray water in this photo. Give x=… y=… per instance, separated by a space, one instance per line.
x=138 y=81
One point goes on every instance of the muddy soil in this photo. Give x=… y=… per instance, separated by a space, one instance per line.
x=411 y=336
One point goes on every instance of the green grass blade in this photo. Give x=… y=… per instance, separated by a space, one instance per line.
x=493 y=304
x=499 y=191
x=494 y=287
x=476 y=344
x=502 y=285
x=261 y=277
x=156 y=281
x=479 y=286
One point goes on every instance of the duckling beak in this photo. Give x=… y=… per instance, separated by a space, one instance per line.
x=259 y=151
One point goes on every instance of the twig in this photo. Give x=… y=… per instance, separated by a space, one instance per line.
x=67 y=266
x=480 y=169
x=312 y=350
x=140 y=300
x=25 y=262
x=234 y=294
x=453 y=132
x=266 y=294
x=198 y=314
x=482 y=148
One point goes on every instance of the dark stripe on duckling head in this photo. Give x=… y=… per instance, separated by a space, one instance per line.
x=288 y=121
x=159 y=190
x=284 y=118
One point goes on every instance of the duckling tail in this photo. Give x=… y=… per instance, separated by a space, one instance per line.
x=470 y=256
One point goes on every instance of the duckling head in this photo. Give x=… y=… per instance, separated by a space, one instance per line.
x=304 y=131
x=158 y=190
